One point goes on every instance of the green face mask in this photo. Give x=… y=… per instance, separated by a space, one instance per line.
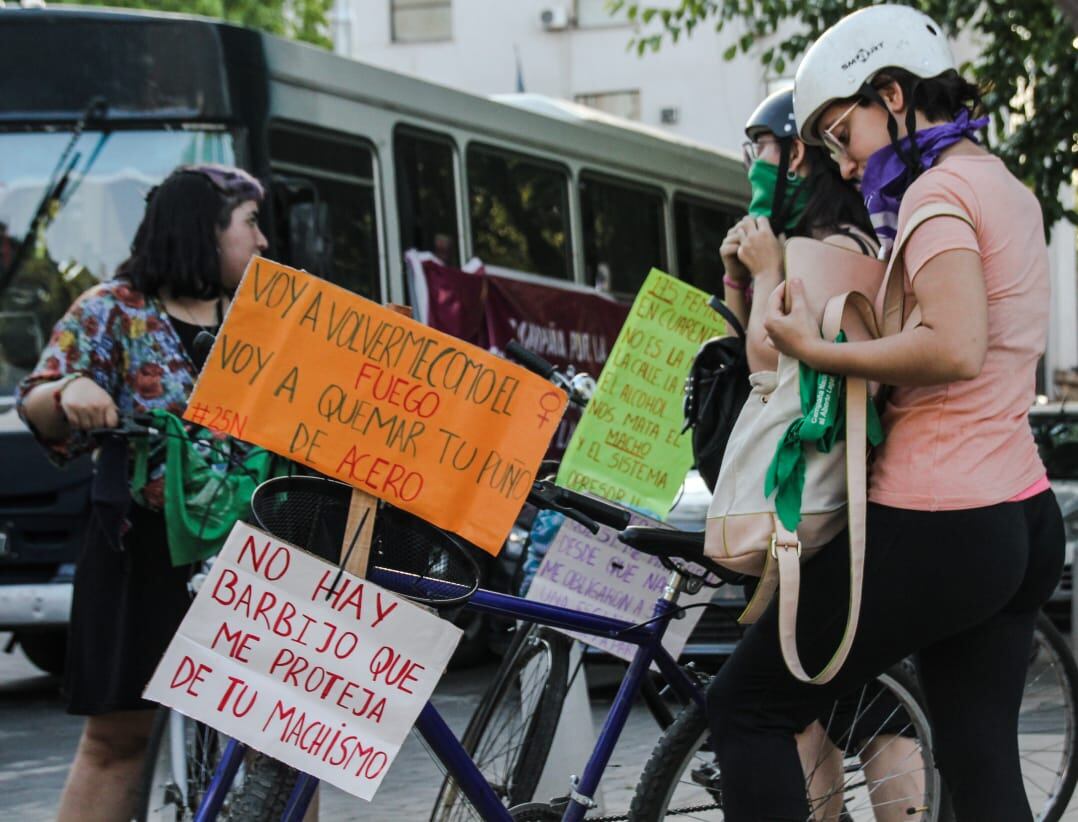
x=763 y=177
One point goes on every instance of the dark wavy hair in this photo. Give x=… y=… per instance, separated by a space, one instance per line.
x=175 y=246
x=833 y=203
x=938 y=98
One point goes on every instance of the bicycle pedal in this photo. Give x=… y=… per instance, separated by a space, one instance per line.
x=706 y=776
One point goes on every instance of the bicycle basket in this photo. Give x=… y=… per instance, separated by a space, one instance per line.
x=408 y=555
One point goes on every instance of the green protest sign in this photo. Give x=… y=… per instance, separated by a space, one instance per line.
x=628 y=445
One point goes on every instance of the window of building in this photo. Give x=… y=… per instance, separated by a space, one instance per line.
x=519 y=208
x=623 y=233
x=596 y=13
x=426 y=194
x=324 y=206
x=619 y=103
x=699 y=229
x=421 y=21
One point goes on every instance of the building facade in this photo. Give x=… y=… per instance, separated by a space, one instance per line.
x=575 y=50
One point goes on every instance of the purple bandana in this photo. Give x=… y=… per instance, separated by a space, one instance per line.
x=885 y=180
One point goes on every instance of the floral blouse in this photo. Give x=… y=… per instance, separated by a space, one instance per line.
x=124 y=342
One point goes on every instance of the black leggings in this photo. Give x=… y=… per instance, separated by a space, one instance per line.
x=959 y=588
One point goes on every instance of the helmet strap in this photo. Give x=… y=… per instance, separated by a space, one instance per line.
x=911 y=154
x=779 y=201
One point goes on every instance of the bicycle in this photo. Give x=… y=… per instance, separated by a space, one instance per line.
x=513 y=730
x=424 y=565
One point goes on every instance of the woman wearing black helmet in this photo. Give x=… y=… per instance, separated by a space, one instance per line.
x=796 y=191
x=964 y=537
x=798 y=186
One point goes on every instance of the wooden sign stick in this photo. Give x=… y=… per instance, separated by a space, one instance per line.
x=359 y=529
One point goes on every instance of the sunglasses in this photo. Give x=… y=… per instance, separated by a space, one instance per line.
x=835 y=147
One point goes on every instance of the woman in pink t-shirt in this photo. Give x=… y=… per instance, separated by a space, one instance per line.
x=965 y=539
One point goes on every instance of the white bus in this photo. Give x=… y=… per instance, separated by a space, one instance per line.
x=362 y=164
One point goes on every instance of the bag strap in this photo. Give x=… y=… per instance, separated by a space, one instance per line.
x=894 y=280
x=731 y=318
x=786 y=548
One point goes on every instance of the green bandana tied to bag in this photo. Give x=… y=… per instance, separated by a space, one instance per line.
x=207 y=488
x=764 y=177
x=822 y=422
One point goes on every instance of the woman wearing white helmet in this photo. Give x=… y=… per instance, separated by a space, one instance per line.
x=965 y=539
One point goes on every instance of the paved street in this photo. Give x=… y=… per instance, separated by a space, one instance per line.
x=37 y=741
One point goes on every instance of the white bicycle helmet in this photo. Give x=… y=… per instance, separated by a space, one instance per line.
x=850 y=53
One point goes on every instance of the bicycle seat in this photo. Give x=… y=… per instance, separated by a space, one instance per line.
x=664 y=542
x=667 y=543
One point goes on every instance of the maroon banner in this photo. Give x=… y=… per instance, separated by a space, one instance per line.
x=562 y=324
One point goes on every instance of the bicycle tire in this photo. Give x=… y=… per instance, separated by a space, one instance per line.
x=682 y=758
x=1050 y=700
x=259 y=792
x=514 y=772
x=264 y=793
x=161 y=796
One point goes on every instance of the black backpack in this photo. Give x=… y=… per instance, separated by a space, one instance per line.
x=715 y=391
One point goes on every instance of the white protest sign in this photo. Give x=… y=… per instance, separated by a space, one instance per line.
x=598 y=574
x=328 y=686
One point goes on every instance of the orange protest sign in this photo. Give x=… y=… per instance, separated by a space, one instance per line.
x=409 y=414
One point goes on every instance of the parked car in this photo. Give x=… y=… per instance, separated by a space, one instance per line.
x=1055 y=428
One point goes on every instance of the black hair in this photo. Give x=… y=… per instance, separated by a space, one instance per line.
x=833 y=203
x=938 y=98
x=175 y=245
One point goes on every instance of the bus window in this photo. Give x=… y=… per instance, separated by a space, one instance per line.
x=324 y=186
x=519 y=210
x=426 y=196
x=623 y=233
x=699 y=229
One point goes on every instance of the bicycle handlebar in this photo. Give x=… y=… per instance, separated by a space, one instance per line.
x=530 y=360
x=135 y=425
x=579 y=394
x=588 y=511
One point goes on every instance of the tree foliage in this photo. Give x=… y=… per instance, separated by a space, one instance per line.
x=1026 y=65
x=304 y=20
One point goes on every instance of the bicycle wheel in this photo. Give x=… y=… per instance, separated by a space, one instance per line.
x=682 y=779
x=510 y=735
x=1047 y=733
x=180 y=760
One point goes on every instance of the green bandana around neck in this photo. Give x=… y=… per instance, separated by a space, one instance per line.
x=822 y=424
x=763 y=177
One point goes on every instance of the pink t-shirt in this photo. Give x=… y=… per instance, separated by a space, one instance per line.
x=969 y=444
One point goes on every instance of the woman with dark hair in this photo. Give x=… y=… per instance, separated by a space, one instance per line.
x=799 y=186
x=797 y=191
x=124 y=347
x=964 y=537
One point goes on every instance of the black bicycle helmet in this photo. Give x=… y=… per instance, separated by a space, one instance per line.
x=775 y=116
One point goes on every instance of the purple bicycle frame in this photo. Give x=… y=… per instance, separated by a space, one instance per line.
x=448 y=749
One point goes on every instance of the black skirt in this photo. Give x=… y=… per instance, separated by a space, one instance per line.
x=125 y=609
